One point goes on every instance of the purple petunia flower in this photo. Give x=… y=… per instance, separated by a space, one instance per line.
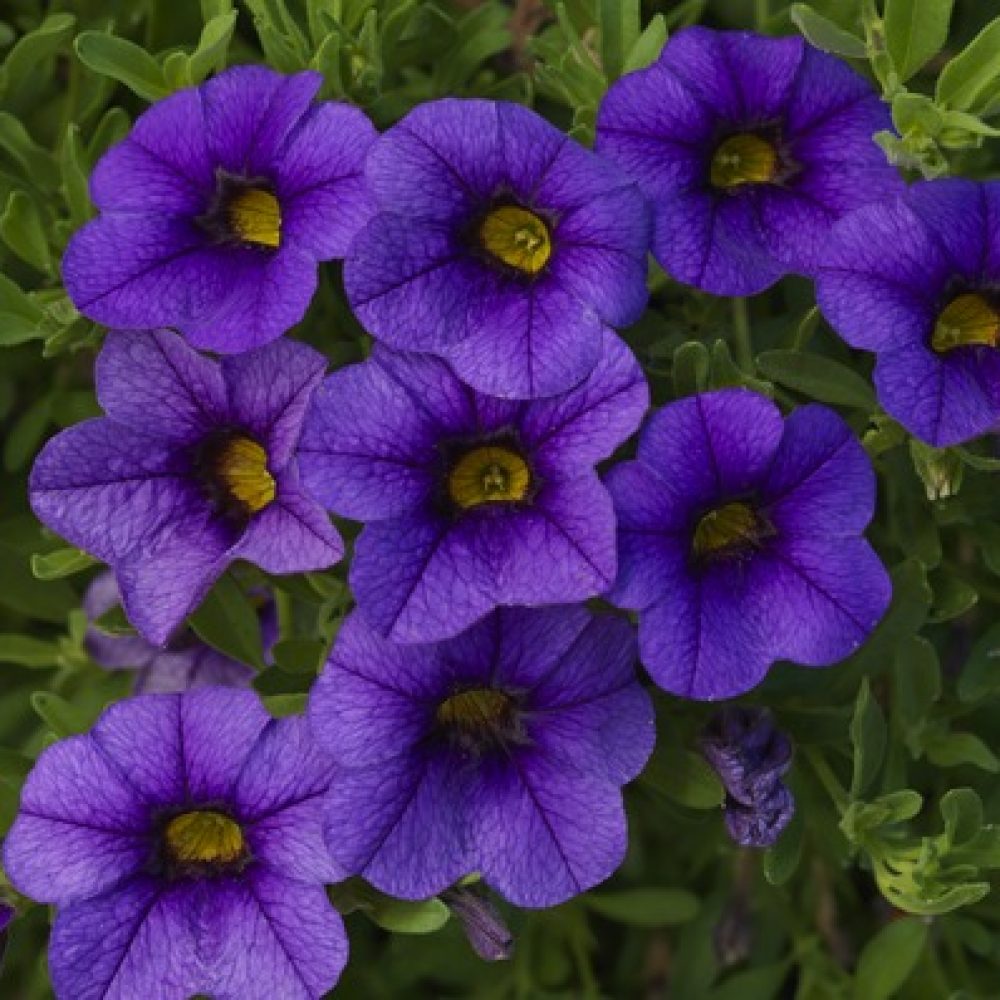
x=193 y=467
x=501 y=245
x=739 y=541
x=217 y=207
x=181 y=840
x=751 y=757
x=501 y=751
x=470 y=501
x=185 y=663
x=915 y=280
x=749 y=149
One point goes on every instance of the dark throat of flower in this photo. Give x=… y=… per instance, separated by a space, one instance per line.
x=202 y=842
x=970 y=319
x=491 y=473
x=246 y=213
x=730 y=532
x=233 y=469
x=745 y=158
x=479 y=719
x=516 y=239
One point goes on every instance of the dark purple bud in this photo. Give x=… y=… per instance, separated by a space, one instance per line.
x=760 y=824
x=7 y=914
x=484 y=927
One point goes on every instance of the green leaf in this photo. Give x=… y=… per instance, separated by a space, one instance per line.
x=26 y=651
x=35 y=162
x=397 y=915
x=690 y=368
x=917 y=681
x=980 y=678
x=889 y=958
x=26 y=434
x=618 y=23
x=227 y=620
x=20 y=316
x=952 y=597
x=826 y=35
x=74 y=169
x=24 y=61
x=685 y=777
x=868 y=737
x=23 y=231
x=761 y=983
x=818 y=377
x=60 y=563
x=123 y=61
x=970 y=73
x=781 y=860
x=648 y=45
x=962 y=810
x=282 y=705
x=954 y=749
x=300 y=656
x=645 y=907
x=915 y=31
x=212 y=46
x=59 y=715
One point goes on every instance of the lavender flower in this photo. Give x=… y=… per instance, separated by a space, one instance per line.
x=501 y=245
x=193 y=467
x=217 y=207
x=501 y=751
x=749 y=149
x=180 y=840
x=739 y=539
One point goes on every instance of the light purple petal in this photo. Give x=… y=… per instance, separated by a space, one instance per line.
x=153 y=382
x=401 y=824
x=269 y=392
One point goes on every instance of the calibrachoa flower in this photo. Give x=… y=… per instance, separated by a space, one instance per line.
x=217 y=206
x=748 y=149
x=501 y=245
x=739 y=540
x=185 y=663
x=502 y=751
x=916 y=280
x=751 y=757
x=470 y=501
x=181 y=840
x=193 y=467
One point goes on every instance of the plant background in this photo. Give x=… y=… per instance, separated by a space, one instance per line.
x=880 y=887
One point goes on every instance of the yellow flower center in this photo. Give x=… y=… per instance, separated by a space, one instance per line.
x=727 y=529
x=254 y=215
x=490 y=474
x=744 y=159
x=477 y=708
x=516 y=237
x=241 y=469
x=205 y=837
x=966 y=320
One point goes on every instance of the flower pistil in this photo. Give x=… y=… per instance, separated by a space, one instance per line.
x=204 y=837
x=729 y=531
x=968 y=320
x=254 y=216
x=241 y=470
x=489 y=474
x=516 y=237
x=744 y=158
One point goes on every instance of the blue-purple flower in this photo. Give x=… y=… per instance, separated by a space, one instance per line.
x=502 y=751
x=749 y=149
x=185 y=663
x=469 y=501
x=751 y=756
x=194 y=466
x=740 y=542
x=181 y=842
x=500 y=245
x=915 y=279
x=217 y=207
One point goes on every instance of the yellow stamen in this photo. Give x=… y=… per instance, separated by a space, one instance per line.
x=489 y=474
x=729 y=527
x=474 y=709
x=241 y=467
x=966 y=320
x=204 y=836
x=516 y=237
x=744 y=159
x=255 y=217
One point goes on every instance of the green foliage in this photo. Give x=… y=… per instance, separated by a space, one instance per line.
x=880 y=887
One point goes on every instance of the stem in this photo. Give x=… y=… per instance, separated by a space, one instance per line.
x=762 y=13
x=741 y=335
x=827 y=778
